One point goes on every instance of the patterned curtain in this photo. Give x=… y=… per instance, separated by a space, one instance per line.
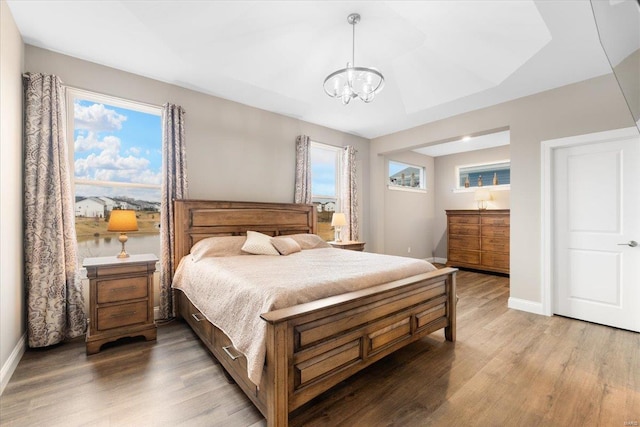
x=55 y=308
x=174 y=187
x=349 y=194
x=303 y=170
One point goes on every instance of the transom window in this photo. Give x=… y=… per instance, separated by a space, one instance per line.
x=404 y=175
x=325 y=185
x=117 y=158
x=497 y=173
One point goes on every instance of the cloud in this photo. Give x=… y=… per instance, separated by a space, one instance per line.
x=97 y=118
x=109 y=165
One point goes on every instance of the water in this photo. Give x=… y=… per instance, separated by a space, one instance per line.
x=111 y=246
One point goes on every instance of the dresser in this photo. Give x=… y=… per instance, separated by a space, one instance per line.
x=120 y=299
x=478 y=239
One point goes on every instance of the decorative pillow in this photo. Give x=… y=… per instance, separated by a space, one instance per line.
x=285 y=245
x=259 y=244
x=309 y=241
x=218 y=247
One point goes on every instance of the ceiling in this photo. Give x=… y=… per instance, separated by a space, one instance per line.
x=439 y=58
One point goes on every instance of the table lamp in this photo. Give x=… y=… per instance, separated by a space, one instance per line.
x=123 y=220
x=482 y=196
x=337 y=221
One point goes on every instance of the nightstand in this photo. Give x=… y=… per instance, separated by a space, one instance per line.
x=351 y=245
x=121 y=299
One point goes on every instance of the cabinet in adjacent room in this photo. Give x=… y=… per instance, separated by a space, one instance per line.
x=478 y=239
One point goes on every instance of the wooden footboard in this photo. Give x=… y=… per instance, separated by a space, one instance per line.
x=311 y=347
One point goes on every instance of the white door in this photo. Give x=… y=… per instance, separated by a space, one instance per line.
x=596 y=220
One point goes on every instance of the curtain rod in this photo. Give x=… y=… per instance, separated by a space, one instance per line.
x=91 y=92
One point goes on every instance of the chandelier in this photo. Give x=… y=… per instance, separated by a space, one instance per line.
x=354 y=82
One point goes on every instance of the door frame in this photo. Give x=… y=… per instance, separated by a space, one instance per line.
x=548 y=148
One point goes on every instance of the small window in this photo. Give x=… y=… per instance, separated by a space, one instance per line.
x=498 y=173
x=403 y=175
x=325 y=185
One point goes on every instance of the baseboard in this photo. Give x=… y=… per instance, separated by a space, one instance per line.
x=12 y=362
x=525 y=305
x=437 y=260
x=156 y=313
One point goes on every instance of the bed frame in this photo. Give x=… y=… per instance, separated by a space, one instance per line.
x=311 y=347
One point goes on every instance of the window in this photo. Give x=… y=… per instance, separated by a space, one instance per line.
x=325 y=185
x=117 y=158
x=498 y=173
x=406 y=176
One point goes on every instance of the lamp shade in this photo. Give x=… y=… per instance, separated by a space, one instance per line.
x=338 y=219
x=123 y=220
x=482 y=195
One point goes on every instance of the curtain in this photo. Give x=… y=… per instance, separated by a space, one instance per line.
x=303 y=170
x=349 y=194
x=174 y=187
x=55 y=308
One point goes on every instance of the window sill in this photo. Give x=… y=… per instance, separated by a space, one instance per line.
x=407 y=189
x=505 y=187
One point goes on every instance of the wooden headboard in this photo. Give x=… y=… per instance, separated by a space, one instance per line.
x=199 y=219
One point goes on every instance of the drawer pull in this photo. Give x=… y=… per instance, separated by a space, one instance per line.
x=127 y=288
x=226 y=350
x=195 y=316
x=127 y=314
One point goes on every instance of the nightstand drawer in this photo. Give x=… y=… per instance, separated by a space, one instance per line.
x=115 y=290
x=128 y=269
x=122 y=315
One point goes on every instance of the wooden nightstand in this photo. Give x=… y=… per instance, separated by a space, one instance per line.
x=121 y=299
x=351 y=245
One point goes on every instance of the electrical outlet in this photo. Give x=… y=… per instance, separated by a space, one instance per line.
x=409 y=250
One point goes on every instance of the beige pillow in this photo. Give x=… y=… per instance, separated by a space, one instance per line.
x=218 y=247
x=259 y=244
x=285 y=245
x=309 y=241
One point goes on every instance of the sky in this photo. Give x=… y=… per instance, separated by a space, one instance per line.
x=323 y=171
x=118 y=145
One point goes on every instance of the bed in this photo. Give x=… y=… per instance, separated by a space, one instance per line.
x=311 y=346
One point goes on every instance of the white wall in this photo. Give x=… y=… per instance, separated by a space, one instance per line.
x=589 y=106
x=234 y=152
x=445 y=198
x=11 y=277
x=408 y=215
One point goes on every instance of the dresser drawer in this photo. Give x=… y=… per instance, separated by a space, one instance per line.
x=122 y=315
x=464 y=242
x=494 y=231
x=115 y=290
x=463 y=219
x=467 y=229
x=467 y=257
x=495 y=220
x=495 y=244
x=496 y=260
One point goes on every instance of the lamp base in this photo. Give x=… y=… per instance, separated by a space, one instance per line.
x=123 y=239
x=337 y=237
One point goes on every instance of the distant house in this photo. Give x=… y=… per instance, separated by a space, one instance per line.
x=90 y=207
x=109 y=204
x=329 y=207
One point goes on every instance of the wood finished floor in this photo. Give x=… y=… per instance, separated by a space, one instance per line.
x=507 y=368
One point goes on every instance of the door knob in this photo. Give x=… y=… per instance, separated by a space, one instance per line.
x=631 y=243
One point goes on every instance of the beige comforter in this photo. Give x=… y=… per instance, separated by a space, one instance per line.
x=233 y=291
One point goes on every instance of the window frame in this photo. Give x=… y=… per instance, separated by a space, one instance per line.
x=461 y=189
x=423 y=178
x=338 y=164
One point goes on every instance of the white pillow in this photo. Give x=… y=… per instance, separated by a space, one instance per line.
x=285 y=245
x=218 y=247
x=259 y=244
x=309 y=241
